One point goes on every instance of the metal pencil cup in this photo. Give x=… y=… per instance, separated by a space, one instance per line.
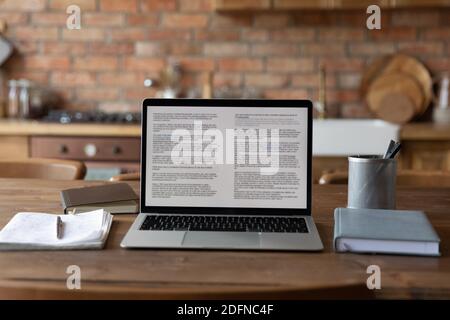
x=371 y=182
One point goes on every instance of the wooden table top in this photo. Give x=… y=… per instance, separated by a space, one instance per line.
x=130 y=272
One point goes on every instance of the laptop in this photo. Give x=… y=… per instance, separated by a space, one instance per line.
x=225 y=174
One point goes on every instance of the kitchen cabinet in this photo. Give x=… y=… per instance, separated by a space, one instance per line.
x=106 y=149
x=85 y=148
x=13 y=147
x=236 y=5
x=426 y=155
x=425 y=147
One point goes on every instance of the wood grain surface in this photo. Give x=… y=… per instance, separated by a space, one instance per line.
x=399 y=64
x=27 y=128
x=118 y=273
x=395 y=97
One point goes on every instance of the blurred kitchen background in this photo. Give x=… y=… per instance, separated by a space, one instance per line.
x=58 y=84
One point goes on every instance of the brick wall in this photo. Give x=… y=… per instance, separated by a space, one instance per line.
x=122 y=42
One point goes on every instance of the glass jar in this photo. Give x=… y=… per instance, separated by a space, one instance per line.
x=13 y=99
x=24 y=98
x=3 y=96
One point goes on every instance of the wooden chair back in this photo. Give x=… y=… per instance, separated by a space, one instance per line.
x=135 y=176
x=34 y=168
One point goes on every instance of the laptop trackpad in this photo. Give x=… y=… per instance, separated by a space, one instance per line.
x=208 y=239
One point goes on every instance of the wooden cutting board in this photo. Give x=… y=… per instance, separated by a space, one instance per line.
x=395 y=97
x=399 y=63
x=409 y=65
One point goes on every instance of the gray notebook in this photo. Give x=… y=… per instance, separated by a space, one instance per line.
x=113 y=197
x=384 y=231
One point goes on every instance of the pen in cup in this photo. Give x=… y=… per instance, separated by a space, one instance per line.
x=390 y=146
x=59 y=227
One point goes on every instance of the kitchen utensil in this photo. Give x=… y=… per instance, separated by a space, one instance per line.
x=169 y=80
x=207 y=87
x=395 y=97
x=413 y=67
x=441 y=111
x=441 y=116
x=320 y=104
x=443 y=85
x=5 y=50
x=399 y=63
x=3 y=94
x=24 y=98
x=13 y=99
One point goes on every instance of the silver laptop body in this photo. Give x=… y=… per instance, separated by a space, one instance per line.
x=171 y=209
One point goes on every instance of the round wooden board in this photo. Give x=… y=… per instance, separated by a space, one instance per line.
x=399 y=63
x=393 y=86
x=396 y=108
x=409 y=65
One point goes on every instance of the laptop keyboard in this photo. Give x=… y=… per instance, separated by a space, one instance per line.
x=225 y=223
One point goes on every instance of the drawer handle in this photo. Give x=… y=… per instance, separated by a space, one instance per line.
x=90 y=150
x=116 y=150
x=63 y=149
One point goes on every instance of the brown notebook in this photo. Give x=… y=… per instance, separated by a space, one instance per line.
x=114 y=198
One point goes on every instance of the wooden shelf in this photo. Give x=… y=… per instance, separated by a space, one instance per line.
x=233 y=5
x=283 y=5
x=302 y=4
x=359 y=4
x=419 y=3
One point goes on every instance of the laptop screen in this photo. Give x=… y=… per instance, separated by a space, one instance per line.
x=235 y=156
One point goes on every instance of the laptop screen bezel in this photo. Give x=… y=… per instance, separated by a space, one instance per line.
x=153 y=102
